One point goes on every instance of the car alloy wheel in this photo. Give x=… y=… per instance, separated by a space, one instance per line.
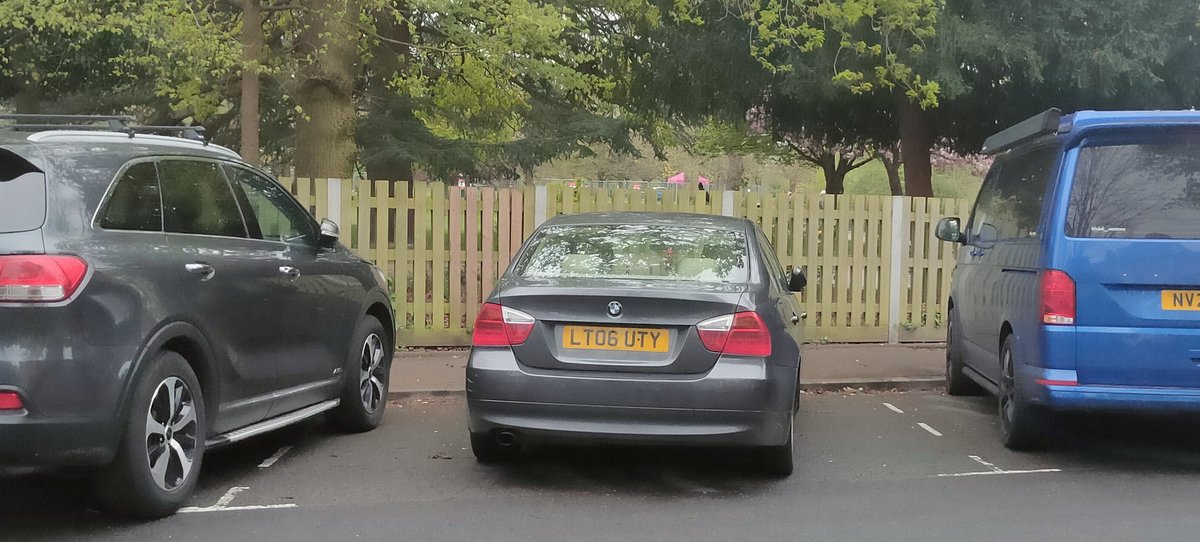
x=1007 y=391
x=171 y=433
x=369 y=386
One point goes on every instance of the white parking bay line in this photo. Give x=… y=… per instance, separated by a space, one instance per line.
x=893 y=408
x=990 y=472
x=194 y=510
x=271 y=460
x=222 y=504
x=993 y=469
x=931 y=430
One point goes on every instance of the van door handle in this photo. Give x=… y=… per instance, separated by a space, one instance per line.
x=291 y=272
x=205 y=271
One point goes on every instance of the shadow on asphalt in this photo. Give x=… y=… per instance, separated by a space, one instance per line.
x=1152 y=443
x=636 y=470
x=57 y=505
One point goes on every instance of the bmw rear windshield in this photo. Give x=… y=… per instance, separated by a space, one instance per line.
x=22 y=194
x=637 y=252
x=1144 y=190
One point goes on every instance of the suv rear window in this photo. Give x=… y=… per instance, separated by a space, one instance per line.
x=640 y=252
x=1137 y=191
x=22 y=194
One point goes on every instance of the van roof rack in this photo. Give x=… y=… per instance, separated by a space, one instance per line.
x=1027 y=130
x=107 y=123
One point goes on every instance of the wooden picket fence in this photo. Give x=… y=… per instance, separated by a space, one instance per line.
x=876 y=273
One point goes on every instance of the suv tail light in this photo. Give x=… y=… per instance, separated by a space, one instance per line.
x=741 y=334
x=501 y=326
x=10 y=401
x=1058 y=298
x=39 y=278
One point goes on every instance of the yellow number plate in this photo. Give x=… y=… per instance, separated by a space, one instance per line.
x=628 y=339
x=1181 y=300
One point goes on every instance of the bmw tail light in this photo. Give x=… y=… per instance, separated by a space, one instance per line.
x=40 y=278
x=740 y=334
x=1058 y=298
x=498 y=325
x=10 y=401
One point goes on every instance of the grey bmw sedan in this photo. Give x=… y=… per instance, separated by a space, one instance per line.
x=639 y=328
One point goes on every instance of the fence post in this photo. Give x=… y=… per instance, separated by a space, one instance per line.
x=539 y=205
x=727 y=203
x=895 y=276
x=334 y=211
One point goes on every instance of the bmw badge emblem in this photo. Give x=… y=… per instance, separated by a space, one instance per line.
x=614 y=309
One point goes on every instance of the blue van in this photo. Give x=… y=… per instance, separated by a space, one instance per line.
x=1078 y=287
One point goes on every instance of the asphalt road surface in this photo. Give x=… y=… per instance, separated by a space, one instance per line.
x=910 y=466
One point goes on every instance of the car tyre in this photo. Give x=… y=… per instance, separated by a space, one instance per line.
x=780 y=460
x=957 y=382
x=488 y=451
x=162 y=443
x=364 y=395
x=1023 y=427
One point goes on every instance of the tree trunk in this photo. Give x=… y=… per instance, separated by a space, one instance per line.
x=916 y=143
x=252 y=46
x=735 y=169
x=328 y=50
x=891 y=164
x=835 y=177
x=389 y=57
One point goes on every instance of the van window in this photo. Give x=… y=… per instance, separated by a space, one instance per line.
x=134 y=203
x=197 y=199
x=1138 y=191
x=22 y=194
x=1012 y=202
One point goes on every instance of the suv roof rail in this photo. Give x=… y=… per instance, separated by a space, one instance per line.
x=107 y=123
x=1029 y=129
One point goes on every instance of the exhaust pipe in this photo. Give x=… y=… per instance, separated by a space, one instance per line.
x=506 y=438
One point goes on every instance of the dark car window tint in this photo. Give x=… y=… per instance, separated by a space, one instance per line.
x=271 y=210
x=196 y=199
x=774 y=269
x=1016 y=206
x=634 y=251
x=1141 y=191
x=22 y=194
x=134 y=203
x=985 y=211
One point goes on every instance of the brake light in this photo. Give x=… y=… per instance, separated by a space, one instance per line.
x=1058 y=298
x=10 y=401
x=39 y=278
x=501 y=326
x=741 y=334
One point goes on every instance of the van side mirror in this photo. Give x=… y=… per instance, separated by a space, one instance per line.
x=950 y=229
x=329 y=234
x=797 y=281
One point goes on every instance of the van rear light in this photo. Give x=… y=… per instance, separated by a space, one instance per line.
x=1058 y=298
x=501 y=326
x=741 y=334
x=39 y=278
x=10 y=401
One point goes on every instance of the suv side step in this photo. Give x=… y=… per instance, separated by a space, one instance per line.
x=272 y=424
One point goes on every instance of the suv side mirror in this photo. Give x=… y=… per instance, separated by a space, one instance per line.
x=797 y=281
x=329 y=234
x=950 y=229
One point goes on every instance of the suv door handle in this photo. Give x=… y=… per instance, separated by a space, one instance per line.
x=292 y=272
x=205 y=271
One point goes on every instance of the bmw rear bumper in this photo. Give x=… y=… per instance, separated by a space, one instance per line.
x=740 y=402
